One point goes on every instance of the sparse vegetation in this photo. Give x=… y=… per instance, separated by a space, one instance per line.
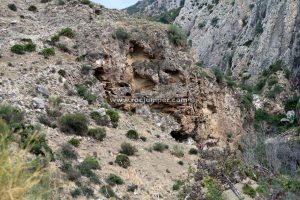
x=47 y=52
x=193 y=151
x=75 y=142
x=127 y=149
x=219 y=75
x=32 y=8
x=177 y=151
x=214 y=21
x=214 y=191
x=12 y=7
x=121 y=34
x=18 y=49
x=113 y=115
x=247 y=189
x=132 y=134
x=113 y=180
x=160 y=147
x=107 y=191
x=68 y=152
x=97 y=133
x=177 y=36
x=83 y=91
x=122 y=160
x=74 y=123
x=67 y=32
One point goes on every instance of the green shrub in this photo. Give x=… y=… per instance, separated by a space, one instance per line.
x=113 y=180
x=121 y=34
x=247 y=101
x=85 y=168
x=54 y=39
x=68 y=152
x=177 y=36
x=260 y=85
x=12 y=116
x=259 y=29
x=123 y=161
x=67 y=32
x=160 y=147
x=219 y=75
x=74 y=123
x=177 y=185
x=36 y=142
x=177 y=151
x=62 y=72
x=247 y=189
x=193 y=151
x=97 y=133
x=113 y=115
x=74 y=141
x=214 y=21
x=29 y=47
x=91 y=163
x=86 y=191
x=82 y=91
x=214 y=191
x=107 y=191
x=76 y=193
x=72 y=174
x=132 y=134
x=143 y=138
x=291 y=103
x=12 y=7
x=274 y=92
x=18 y=49
x=32 y=8
x=85 y=69
x=47 y=52
x=201 y=25
x=127 y=149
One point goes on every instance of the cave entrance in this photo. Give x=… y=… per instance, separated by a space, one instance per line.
x=180 y=136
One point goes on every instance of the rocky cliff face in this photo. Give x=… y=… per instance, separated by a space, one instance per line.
x=152 y=8
x=245 y=36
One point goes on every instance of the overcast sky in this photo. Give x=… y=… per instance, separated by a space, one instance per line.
x=119 y=4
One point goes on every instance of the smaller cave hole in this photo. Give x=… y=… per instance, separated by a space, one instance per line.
x=179 y=136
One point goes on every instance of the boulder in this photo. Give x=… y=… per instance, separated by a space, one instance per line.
x=38 y=103
x=42 y=90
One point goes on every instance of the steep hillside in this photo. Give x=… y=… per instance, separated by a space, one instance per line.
x=244 y=36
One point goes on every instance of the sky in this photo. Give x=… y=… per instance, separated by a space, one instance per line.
x=119 y=4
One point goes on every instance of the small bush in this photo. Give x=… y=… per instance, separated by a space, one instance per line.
x=72 y=174
x=214 y=191
x=54 y=39
x=12 y=7
x=177 y=185
x=219 y=75
x=87 y=166
x=121 y=34
x=82 y=91
x=68 y=152
x=74 y=123
x=62 y=72
x=127 y=149
x=113 y=180
x=214 y=21
x=67 y=32
x=29 y=47
x=75 y=142
x=177 y=36
x=85 y=69
x=76 y=193
x=12 y=116
x=132 y=134
x=291 y=103
x=247 y=189
x=113 y=115
x=193 y=151
x=107 y=191
x=259 y=29
x=18 y=49
x=178 y=151
x=97 y=133
x=86 y=191
x=247 y=101
x=32 y=8
x=160 y=147
x=100 y=120
x=91 y=162
x=143 y=138
x=123 y=161
x=47 y=52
